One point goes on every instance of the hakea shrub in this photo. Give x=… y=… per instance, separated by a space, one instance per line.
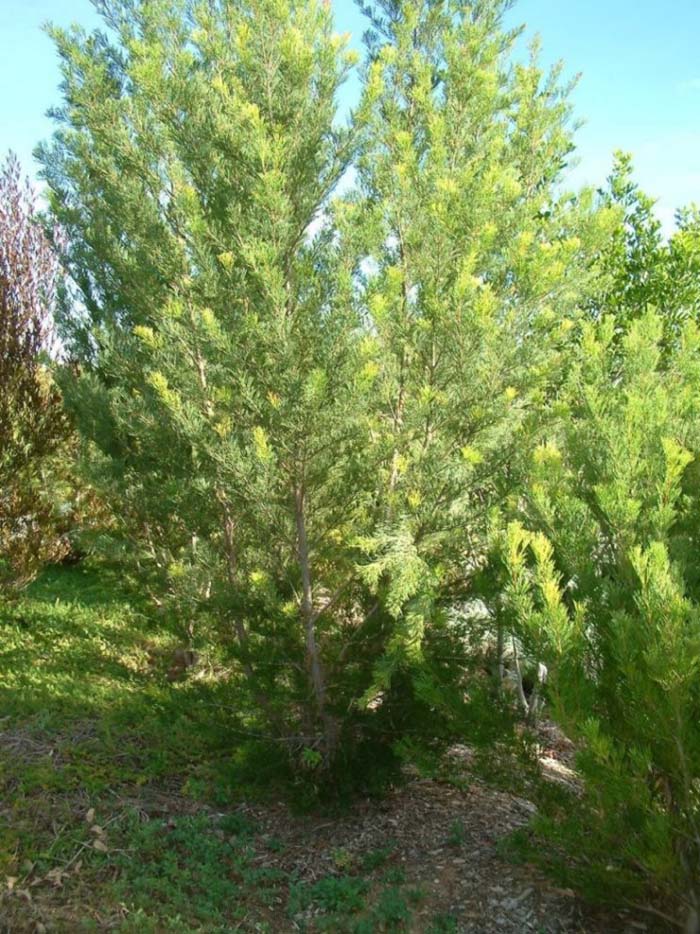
x=603 y=584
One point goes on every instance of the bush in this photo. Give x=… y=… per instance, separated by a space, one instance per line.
x=603 y=584
x=33 y=428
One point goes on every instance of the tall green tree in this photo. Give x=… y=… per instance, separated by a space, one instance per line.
x=304 y=408
x=221 y=376
x=475 y=267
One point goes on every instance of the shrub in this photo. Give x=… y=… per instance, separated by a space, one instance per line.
x=33 y=427
x=603 y=584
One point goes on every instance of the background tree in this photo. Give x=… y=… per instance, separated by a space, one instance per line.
x=647 y=271
x=33 y=427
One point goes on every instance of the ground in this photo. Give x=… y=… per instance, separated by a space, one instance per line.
x=117 y=811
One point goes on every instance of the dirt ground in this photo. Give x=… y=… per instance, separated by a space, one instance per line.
x=438 y=837
x=464 y=878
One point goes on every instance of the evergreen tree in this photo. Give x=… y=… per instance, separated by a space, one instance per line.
x=221 y=376
x=304 y=409
x=475 y=266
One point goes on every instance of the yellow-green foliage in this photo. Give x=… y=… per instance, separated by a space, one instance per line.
x=602 y=573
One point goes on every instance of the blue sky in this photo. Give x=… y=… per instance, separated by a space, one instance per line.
x=640 y=86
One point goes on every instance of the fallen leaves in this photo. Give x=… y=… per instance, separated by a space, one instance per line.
x=99 y=843
x=55 y=876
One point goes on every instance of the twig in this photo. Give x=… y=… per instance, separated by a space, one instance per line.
x=659 y=914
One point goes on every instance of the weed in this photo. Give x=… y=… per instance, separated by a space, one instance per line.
x=275 y=845
x=392 y=911
x=183 y=868
x=332 y=894
x=237 y=825
x=444 y=923
x=395 y=876
x=376 y=858
x=458 y=833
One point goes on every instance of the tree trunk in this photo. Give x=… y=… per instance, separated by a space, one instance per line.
x=499 y=668
x=313 y=658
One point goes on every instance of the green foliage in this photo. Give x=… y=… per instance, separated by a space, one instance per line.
x=603 y=586
x=376 y=858
x=347 y=906
x=312 y=415
x=444 y=924
x=474 y=264
x=458 y=834
x=220 y=371
x=184 y=868
x=392 y=912
x=298 y=407
x=332 y=894
x=646 y=272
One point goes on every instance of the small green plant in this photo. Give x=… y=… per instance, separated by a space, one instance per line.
x=237 y=825
x=376 y=858
x=343 y=859
x=180 y=868
x=443 y=923
x=311 y=758
x=395 y=875
x=331 y=894
x=517 y=847
x=458 y=833
x=392 y=912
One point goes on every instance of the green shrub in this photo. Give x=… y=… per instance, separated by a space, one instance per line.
x=603 y=586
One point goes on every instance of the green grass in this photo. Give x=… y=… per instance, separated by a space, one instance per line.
x=83 y=675
x=120 y=791
x=90 y=723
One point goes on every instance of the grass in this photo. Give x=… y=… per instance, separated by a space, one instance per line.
x=84 y=679
x=121 y=793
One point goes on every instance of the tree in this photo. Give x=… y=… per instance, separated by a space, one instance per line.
x=302 y=407
x=645 y=270
x=475 y=266
x=33 y=427
x=222 y=375
x=603 y=585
